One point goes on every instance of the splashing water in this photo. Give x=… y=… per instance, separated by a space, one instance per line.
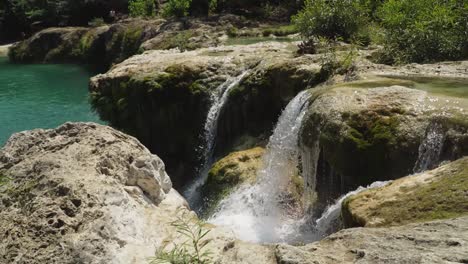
x=219 y=98
x=255 y=212
x=430 y=148
x=330 y=221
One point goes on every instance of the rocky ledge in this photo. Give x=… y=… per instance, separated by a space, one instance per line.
x=86 y=193
x=361 y=132
x=163 y=97
x=436 y=194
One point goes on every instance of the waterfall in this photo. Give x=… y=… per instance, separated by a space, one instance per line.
x=218 y=98
x=330 y=221
x=430 y=148
x=255 y=212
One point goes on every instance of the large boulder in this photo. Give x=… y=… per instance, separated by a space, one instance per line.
x=436 y=194
x=376 y=130
x=81 y=193
x=163 y=97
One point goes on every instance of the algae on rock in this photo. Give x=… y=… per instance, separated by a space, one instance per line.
x=431 y=195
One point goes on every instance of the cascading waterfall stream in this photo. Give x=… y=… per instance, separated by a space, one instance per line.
x=218 y=99
x=430 y=148
x=330 y=221
x=255 y=212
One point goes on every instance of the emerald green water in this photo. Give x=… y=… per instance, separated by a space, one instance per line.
x=41 y=96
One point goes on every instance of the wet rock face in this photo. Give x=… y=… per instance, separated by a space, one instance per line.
x=163 y=97
x=355 y=136
x=81 y=193
x=431 y=195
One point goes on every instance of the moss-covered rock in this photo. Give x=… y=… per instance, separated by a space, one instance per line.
x=432 y=195
x=53 y=44
x=100 y=46
x=353 y=136
x=237 y=168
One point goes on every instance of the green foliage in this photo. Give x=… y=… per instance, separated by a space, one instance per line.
x=20 y=18
x=192 y=251
x=142 y=8
x=424 y=30
x=330 y=18
x=212 y=7
x=176 y=8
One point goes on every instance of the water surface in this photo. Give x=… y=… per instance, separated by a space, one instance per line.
x=42 y=96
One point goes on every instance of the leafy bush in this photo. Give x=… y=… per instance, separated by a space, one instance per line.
x=192 y=250
x=176 y=8
x=212 y=6
x=424 y=30
x=330 y=18
x=141 y=8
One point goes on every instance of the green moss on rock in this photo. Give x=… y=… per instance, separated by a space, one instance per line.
x=366 y=147
x=228 y=173
x=437 y=194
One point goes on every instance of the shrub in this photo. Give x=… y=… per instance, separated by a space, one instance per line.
x=424 y=30
x=176 y=8
x=330 y=18
x=141 y=8
x=212 y=6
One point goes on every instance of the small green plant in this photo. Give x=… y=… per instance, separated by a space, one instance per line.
x=232 y=32
x=192 y=250
x=333 y=62
x=142 y=8
x=176 y=8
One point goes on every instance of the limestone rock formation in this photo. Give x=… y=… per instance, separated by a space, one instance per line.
x=436 y=194
x=100 y=46
x=81 y=193
x=163 y=97
x=86 y=193
x=433 y=242
x=357 y=133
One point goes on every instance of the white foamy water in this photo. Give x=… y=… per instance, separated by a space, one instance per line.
x=430 y=148
x=218 y=99
x=330 y=221
x=254 y=212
